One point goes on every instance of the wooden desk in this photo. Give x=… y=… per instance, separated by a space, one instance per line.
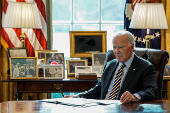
x=116 y=107
x=166 y=87
x=50 y=86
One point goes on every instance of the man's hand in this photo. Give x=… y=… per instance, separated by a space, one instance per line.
x=127 y=97
x=68 y=96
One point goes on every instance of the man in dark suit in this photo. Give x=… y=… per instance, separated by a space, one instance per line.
x=138 y=77
x=47 y=72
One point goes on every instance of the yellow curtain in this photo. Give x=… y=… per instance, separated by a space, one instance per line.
x=165 y=38
x=165 y=34
x=6 y=88
x=1 y=89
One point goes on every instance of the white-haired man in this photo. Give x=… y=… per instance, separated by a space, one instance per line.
x=127 y=78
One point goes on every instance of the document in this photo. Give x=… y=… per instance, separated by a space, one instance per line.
x=80 y=102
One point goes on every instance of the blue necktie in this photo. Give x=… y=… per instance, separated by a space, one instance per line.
x=116 y=84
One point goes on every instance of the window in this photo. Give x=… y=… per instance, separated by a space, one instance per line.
x=85 y=15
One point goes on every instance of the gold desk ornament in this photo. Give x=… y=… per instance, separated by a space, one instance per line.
x=22 y=40
x=147 y=38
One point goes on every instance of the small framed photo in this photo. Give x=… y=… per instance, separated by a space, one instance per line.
x=40 y=73
x=82 y=69
x=17 y=52
x=99 y=59
x=23 y=68
x=72 y=63
x=40 y=54
x=167 y=70
x=53 y=71
x=98 y=69
x=54 y=58
x=40 y=66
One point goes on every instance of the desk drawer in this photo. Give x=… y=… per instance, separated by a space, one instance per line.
x=46 y=87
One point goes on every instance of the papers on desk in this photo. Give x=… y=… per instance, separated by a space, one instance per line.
x=80 y=102
x=104 y=102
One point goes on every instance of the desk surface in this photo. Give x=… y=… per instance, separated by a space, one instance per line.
x=115 y=107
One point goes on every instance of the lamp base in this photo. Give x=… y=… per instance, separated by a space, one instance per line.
x=22 y=40
x=148 y=37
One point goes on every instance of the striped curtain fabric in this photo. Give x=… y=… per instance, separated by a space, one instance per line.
x=36 y=39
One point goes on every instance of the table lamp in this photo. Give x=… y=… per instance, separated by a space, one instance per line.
x=148 y=16
x=22 y=15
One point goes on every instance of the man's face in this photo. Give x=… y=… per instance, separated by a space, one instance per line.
x=122 y=49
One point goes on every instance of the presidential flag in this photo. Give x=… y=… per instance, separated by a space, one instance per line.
x=36 y=39
x=139 y=34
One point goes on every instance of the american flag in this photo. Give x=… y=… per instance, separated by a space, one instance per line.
x=139 y=34
x=36 y=39
x=137 y=1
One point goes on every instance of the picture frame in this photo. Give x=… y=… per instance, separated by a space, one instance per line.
x=55 y=58
x=40 y=68
x=82 y=69
x=98 y=59
x=72 y=63
x=167 y=71
x=41 y=54
x=97 y=69
x=17 y=52
x=53 y=71
x=83 y=43
x=23 y=68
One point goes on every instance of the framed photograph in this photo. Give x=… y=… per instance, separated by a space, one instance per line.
x=17 y=52
x=72 y=63
x=53 y=71
x=55 y=59
x=82 y=69
x=40 y=54
x=23 y=68
x=167 y=70
x=98 y=69
x=84 y=43
x=99 y=59
x=40 y=67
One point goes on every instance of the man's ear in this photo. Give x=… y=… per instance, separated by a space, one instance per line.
x=132 y=47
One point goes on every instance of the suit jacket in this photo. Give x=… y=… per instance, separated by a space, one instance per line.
x=140 y=78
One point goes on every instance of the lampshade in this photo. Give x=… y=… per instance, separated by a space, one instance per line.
x=22 y=15
x=149 y=16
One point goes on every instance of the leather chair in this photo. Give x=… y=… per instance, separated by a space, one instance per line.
x=159 y=58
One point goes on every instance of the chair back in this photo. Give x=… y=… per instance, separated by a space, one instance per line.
x=159 y=58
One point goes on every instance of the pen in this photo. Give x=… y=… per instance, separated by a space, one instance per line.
x=61 y=93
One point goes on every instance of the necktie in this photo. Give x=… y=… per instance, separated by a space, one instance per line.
x=116 y=84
